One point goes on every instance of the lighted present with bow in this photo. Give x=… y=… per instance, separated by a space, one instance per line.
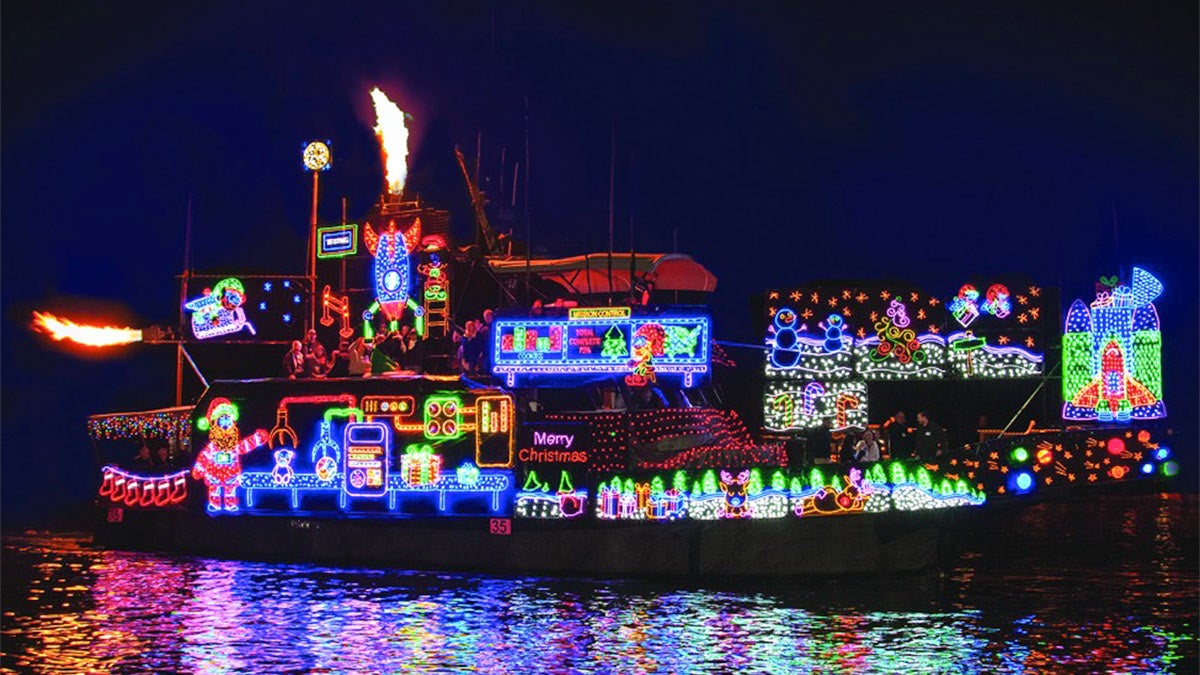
x=420 y=466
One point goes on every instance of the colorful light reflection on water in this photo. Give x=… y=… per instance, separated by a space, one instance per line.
x=1116 y=594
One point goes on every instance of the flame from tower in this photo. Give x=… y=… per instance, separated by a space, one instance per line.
x=92 y=336
x=393 y=140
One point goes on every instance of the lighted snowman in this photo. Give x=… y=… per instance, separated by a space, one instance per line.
x=785 y=352
x=833 y=332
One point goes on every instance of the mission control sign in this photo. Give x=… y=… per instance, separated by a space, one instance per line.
x=554 y=443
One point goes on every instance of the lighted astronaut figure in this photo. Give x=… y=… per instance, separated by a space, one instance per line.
x=219 y=463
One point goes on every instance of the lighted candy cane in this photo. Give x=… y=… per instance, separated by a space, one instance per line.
x=812 y=391
x=845 y=402
x=785 y=406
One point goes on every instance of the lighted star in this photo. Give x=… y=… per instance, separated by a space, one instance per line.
x=1022 y=300
x=933 y=329
x=1035 y=291
x=1033 y=311
x=874 y=317
x=1029 y=342
x=862 y=297
x=1071 y=477
x=884 y=295
x=1066 y=455
x=1004 y=469
x=921 y=314
x=1091 y=478
x=833 y=302
x=1003 y=339
x=1049 y=480
x=771 y=311
x=862 y=334
x=795 y=296
x=773 y=295
x=912 y=297
x=845 y=311
x=1022 y=318
x=846 y=294
x=933 y=302
x=815 y=298
x=807 y=313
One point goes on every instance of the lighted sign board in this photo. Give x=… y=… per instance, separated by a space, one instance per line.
x=605 y=342
x=825 y=342
x=249 y=307
x=219 y=310
x=557 y=443
x=337 y=241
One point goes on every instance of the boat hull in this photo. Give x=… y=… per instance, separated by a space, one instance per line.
x=893 y=542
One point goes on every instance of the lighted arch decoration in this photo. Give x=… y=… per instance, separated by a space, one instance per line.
x=1112 y=354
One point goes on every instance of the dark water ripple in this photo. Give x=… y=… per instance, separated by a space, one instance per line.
x=1109 y=586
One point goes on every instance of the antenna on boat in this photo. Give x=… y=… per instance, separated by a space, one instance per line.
x=632 y=208
x=612 y=175
x=528 y=226
x=183 y=289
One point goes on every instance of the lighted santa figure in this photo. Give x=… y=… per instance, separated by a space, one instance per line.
x=219 y=463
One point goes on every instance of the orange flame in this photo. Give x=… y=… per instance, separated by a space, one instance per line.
x=393 y=137
x=92 y=336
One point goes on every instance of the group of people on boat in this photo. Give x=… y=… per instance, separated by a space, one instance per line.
x=894 y=438
x=466 y=350
x=308 y=359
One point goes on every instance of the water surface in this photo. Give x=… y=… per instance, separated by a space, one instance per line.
x=1105 y=586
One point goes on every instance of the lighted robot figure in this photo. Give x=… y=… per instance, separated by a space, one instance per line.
x=219 y=464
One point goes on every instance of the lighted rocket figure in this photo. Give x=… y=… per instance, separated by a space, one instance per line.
x=391 y=269
x=1112 y=355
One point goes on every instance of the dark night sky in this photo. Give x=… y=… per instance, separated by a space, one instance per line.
x=783 y=142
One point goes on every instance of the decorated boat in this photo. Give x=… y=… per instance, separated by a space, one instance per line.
x=594 y=439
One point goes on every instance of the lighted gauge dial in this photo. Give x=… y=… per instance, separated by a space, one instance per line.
x=317 y=156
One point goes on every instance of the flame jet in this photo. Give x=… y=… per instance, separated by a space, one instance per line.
x=393 y=139
x=91 y=336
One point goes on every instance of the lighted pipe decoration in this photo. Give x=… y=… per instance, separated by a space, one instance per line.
x=331 y=304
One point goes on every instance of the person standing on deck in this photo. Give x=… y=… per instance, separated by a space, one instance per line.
x=899 y=436
x=930 y=437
